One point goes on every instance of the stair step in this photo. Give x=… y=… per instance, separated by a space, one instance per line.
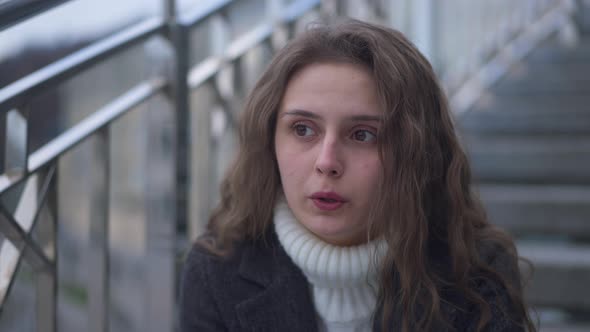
x=560 y=277
x=539 y=76
x=543 y=103
x=551 y=70
x=537 y=209
x=565 y=328
x=530 y=159
x=558 y=86
x=525 y=121
x=558 y=320
x=554 y=51
x=582 y=17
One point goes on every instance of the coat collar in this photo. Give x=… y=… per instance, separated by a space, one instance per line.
x=284 y=301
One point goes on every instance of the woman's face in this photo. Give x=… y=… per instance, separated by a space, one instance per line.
x=326 y=148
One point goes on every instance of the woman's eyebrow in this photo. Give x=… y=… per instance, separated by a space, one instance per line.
x=376 y=118
x=303 y=113
x=308 y=114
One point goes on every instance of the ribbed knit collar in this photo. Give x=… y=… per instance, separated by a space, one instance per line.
x=343 y=279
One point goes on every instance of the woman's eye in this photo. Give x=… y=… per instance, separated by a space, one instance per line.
x=303 y=130
x=364 y=135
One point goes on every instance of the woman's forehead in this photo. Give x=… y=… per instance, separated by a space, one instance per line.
x=326 y=86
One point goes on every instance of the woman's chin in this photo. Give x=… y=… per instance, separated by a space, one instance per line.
x=335 y=235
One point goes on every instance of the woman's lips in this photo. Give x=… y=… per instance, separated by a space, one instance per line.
x=327 y=201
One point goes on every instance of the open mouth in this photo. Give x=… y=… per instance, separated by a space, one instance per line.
x=327 y=200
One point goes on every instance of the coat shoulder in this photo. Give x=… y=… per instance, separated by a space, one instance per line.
x=214 y=287
x=199 y=308
x=254 y=288
x=503 y=260
x=201 y=261
x=495 y=293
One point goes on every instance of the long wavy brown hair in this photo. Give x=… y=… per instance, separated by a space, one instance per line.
x=437 y=233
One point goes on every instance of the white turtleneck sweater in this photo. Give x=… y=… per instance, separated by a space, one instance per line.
x=343 y=279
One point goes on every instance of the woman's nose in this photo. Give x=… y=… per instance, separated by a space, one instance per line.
x=329 y=161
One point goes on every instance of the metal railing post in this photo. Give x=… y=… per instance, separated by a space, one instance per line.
x=167 y=188
x=46 y=301
x=98 y=283
x=47 y=237
x=18 y=140
x=160 y=204
x=160 y=193
x=423 y=26
x=178 y=35
x=3 y=142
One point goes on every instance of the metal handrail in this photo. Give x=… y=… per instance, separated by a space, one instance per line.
x=513 y=51
x=207 y=68
x=75 y=135
x=99 y=119
x=16 y=93
x=15 y=11
x=202 y=13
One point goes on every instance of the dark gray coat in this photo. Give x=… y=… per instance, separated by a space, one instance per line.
x=259 y=288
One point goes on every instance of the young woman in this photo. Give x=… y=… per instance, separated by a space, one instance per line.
x=349 y=207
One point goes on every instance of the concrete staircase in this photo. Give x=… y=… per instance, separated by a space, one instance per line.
x=529 y=144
